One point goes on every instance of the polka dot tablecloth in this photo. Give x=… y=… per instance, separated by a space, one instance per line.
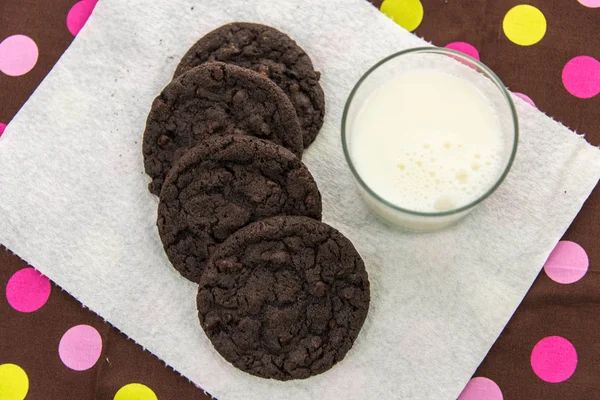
x=546 y=51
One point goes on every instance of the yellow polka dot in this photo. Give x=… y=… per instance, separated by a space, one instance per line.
x=406 y=13
x=14 y=383
x=135 y=391
x=524 y=25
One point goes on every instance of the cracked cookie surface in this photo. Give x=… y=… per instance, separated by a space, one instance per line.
x=222 y=185
x=215 y=99
x=284 y=297
x=269 y=52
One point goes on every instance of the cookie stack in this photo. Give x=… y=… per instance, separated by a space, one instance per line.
x=281 y=294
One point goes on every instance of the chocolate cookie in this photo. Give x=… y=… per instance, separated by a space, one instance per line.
x=215 y=99
x=284 y=297
x=223 y=184
x=272 y=53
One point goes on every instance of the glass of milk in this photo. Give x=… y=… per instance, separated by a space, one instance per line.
x=428 y=133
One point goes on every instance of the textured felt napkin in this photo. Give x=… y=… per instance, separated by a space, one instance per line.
x=74 y=203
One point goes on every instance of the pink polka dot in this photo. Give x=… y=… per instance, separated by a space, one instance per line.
x=481 y=389
x=554 y=359
x=2 y=128
x=79 y=14
x=567 y=263
x=581 y=77
x=525 y=97
x=27 y=290
x=590 y=3
x=80 y=347
x=18 y=55
x=464 y=47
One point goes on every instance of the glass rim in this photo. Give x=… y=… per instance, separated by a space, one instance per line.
x=490 y=74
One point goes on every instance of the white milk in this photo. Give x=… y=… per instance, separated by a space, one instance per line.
x=427 y=141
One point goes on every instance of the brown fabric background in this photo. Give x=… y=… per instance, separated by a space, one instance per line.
x=572 y=311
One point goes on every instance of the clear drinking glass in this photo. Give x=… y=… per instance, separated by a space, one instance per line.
x=457 y=64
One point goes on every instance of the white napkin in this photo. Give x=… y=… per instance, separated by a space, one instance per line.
x=74 y=203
